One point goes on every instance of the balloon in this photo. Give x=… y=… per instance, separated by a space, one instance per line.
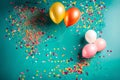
x=72 y=15
x=91 y=36
x=101 y=44
x=89 y=50
x=57 y=12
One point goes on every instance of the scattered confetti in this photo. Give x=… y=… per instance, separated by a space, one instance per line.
x=30 y=28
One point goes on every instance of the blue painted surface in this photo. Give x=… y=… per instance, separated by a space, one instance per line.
x=13 y=61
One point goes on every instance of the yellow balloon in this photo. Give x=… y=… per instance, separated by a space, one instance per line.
x=57 y=12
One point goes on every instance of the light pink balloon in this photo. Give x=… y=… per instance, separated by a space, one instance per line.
x=89 y=50
x=101 y=44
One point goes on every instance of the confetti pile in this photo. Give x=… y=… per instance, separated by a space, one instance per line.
x=33 y=31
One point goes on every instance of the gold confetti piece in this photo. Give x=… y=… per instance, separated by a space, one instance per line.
x=74 y=3
x=6 y=30
x=10 y=16
x=84 y=26
x=36 y=75
x=63 y=55
x=44 y=1
x=44 y=71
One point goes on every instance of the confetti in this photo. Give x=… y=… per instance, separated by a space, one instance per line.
x=48 y=46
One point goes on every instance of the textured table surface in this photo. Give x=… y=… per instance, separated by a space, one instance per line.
x=57 y=48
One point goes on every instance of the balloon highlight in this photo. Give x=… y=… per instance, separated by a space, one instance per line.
x=57 y=12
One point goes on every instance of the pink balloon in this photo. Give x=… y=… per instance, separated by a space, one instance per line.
x=101 y=44
x=89 y=50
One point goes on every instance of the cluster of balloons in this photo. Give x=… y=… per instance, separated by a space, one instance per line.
x=57 y=14
x=94 y=45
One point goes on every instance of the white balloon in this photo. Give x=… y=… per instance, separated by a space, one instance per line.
x=91 y=36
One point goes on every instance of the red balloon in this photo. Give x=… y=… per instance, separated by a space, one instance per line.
x=72 y=15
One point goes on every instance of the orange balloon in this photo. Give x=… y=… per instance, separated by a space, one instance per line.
x=72 y=16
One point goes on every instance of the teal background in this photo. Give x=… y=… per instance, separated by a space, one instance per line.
x=13 y=61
